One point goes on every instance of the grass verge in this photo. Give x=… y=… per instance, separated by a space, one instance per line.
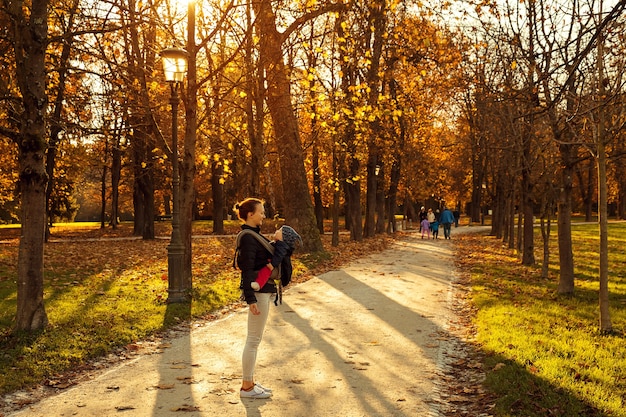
x=545 y=355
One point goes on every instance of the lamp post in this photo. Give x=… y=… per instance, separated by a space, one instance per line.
x=175 y=68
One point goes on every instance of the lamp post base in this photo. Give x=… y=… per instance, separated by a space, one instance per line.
x=175 y=291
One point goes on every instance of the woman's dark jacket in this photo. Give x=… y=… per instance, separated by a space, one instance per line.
x=252 y=257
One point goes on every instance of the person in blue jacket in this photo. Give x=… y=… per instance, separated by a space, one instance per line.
x=446 y=219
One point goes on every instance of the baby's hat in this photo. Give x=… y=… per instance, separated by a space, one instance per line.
x=291 y=237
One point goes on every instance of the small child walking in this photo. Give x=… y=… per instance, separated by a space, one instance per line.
x=285 y=240
x=425 y=225
x=435 y=226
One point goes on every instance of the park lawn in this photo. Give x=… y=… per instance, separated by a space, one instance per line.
x=105 y=296
x=545 y=355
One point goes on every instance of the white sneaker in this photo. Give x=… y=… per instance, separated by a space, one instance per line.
x=255 y=392
x=269 y=390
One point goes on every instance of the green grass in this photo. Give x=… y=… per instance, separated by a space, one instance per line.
x=545 y=353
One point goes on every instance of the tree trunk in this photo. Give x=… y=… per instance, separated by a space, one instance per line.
x=142 y=58
x=30 y=36
x=545 y=234
x=620 y=175
x=476 y=202
x=371 y=191
x=116 y=175
x=143 y=191
x=396 y=165
x=392 y=201
x=353 y=200
x=589 y=193
x=380 y=199
x=546 y=221
x=605 y=315
x=217 y=187
x=511 y=220
x=317 y=188
x=255 y=82
x=103 y=196
x=528 y=255
x=564 y=222
x=335 y=211
x=377 y=22
x=298 y=208
x=528 y=252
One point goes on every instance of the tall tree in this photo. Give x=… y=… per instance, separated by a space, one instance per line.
x=28 y=34
x=377 y=21
x=299 y=211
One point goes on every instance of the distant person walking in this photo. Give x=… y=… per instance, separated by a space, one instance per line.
x=446 y=219
x=431 y=216
x=457 y=215
x=422 y=217
x=425 y=227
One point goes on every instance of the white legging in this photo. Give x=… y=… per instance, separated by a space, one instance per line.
x=256 y=326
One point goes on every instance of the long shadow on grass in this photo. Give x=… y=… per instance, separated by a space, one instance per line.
x=521 y=300
x=521 y=393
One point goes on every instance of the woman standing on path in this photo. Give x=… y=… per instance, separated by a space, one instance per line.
x=252 y=257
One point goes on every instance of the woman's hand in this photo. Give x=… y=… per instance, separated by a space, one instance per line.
x=254 y=309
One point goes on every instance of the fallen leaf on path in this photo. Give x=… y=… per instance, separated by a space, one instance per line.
x=186 y=407
x=165 y=386
x=186 y=380
x=124 y=407
x=297 y=381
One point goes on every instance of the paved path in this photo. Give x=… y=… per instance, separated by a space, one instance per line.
x=367 y=340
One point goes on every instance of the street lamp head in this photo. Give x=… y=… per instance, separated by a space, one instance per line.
x=174 y=64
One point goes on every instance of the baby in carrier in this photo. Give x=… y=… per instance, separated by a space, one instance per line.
x=285 y=240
